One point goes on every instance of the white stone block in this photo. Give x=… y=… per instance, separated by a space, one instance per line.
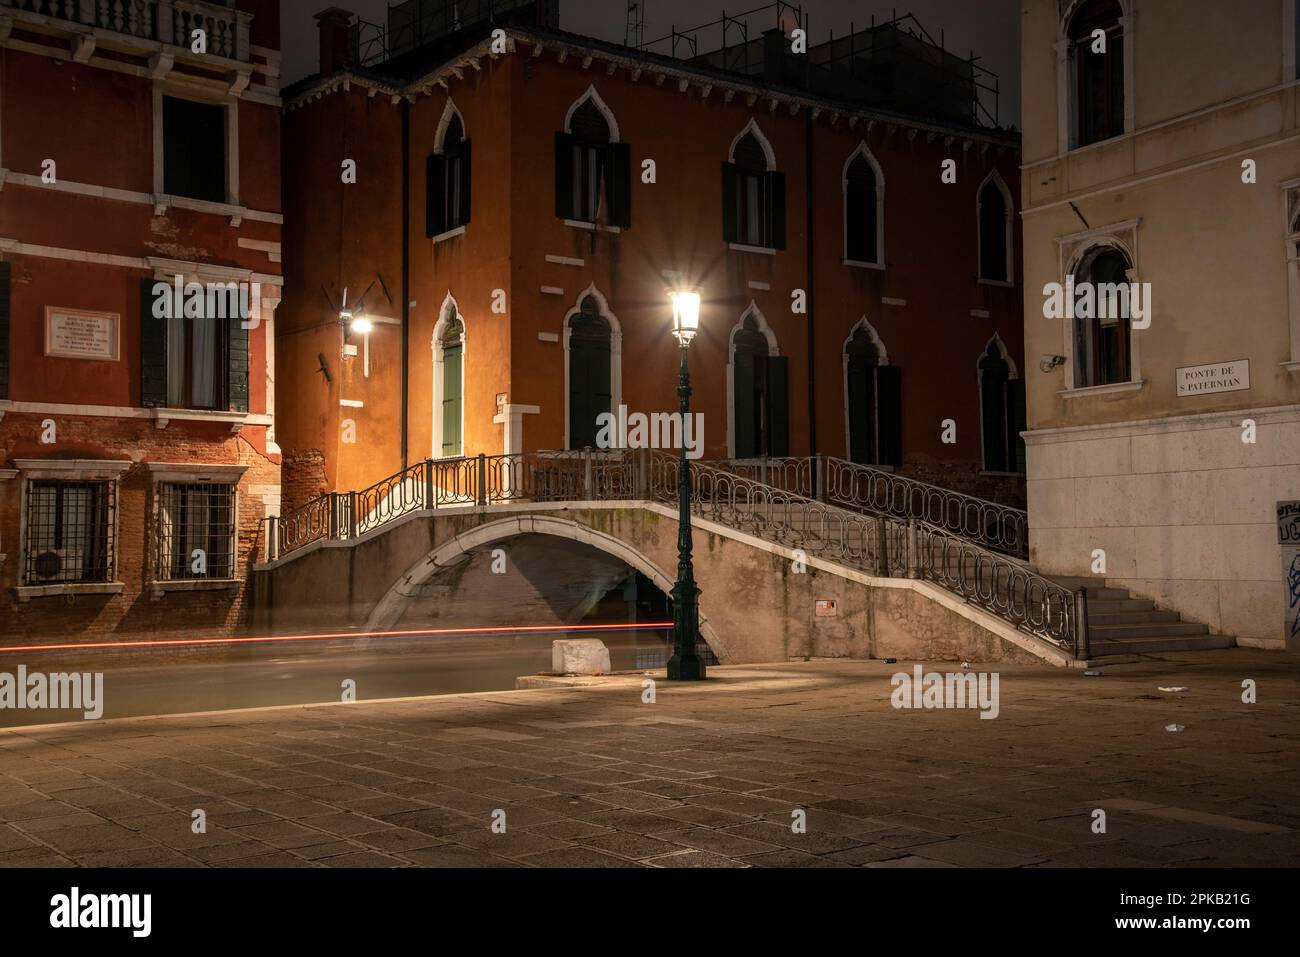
x=579 y=656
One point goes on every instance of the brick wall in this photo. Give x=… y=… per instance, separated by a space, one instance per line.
x=134 y=613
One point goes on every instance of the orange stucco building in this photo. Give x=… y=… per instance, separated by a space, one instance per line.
x=139 y=143
x=515 y=202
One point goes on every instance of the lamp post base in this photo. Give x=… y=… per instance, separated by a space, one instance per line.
x=686 y=667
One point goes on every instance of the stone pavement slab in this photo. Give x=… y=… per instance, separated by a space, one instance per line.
x=712 y=774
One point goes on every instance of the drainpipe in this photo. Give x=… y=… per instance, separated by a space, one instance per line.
x=406 y=272
x=812 y=312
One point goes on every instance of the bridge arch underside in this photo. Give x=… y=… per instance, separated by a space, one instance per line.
x=525 y=570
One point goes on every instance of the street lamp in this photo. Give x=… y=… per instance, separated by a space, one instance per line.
x=686 y=663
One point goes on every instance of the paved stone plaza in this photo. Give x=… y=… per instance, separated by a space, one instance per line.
x=706 y=776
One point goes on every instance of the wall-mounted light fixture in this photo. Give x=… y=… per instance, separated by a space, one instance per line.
x=1048 y=363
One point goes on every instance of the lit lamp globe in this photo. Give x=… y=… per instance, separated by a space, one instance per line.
x=686 y=316
x=361 y=325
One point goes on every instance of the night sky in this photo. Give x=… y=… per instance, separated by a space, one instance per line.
x=989 y=27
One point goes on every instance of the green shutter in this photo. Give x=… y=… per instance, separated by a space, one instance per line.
x=237 y=364
x=589 y=389
x=889 y=401
x=993 y=413
x=465 y=167
x=153 y=350
x=776 y=210
x=1019 y=421
x=778 y=406
x=4 y=330
x=618 y=177
x=743 y=392
x=435 y=194
x=452 y=399
x=730 y=215
x=564 y=176
x=862 y=411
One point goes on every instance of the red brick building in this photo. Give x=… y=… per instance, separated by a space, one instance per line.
x=139 y=143
x=524 y=199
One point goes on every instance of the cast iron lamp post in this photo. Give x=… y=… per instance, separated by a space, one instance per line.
x=685 y=664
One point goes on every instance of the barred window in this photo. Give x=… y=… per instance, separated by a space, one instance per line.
x=195 y=531
x=69 y=532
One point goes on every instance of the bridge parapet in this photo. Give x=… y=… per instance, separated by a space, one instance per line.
x=881 y=545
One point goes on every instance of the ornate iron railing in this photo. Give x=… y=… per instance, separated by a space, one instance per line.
x=993 y=525
x=873 y=540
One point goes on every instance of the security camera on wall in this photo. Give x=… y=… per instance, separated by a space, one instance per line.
x=1048 y=363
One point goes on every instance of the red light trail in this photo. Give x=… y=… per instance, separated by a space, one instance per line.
x=335 y=636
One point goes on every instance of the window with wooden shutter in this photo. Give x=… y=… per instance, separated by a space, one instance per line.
x=750 y=386
x=1019 y=423
x=889 y=396
x=619 y=178
x=590 y=391
x=435 y=176
x=237 y=365
x=774 y=227
x=4 y=330
x=564 y=149
x=730 y=211
x=153 y=349
x=863 y=363
x=778 y=406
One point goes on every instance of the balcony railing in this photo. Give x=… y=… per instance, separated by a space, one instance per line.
x=172 y=22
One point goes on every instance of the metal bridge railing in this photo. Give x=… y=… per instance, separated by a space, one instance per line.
x=992 y=525
x=887 y=530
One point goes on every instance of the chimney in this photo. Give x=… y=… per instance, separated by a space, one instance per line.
x=335 y=26
x=774 y=47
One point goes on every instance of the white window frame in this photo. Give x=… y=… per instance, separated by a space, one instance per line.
x=1071 y=251
x=1008 y=230
x=198 y=94
x=864 y=151
x=1067 y=135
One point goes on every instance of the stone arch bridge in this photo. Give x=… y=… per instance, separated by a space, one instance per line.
x=781 y=573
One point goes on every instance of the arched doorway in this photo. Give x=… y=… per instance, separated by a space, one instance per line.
x=759 y=392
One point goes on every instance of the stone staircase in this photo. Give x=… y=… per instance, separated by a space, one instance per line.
x=1119 y=624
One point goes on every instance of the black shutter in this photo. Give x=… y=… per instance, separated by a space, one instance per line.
x=889 y=398
x=776 y=210
x=618 y=180
x=729 y=212
x=743 y=403
x=153 y=349
x=465 y=166
x=862 y=412
x=237 y=359
x=435 y=179
x=778 y=406
x=564 y=175
x=4 y=330
x=1019 y=422
x=993 y=413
